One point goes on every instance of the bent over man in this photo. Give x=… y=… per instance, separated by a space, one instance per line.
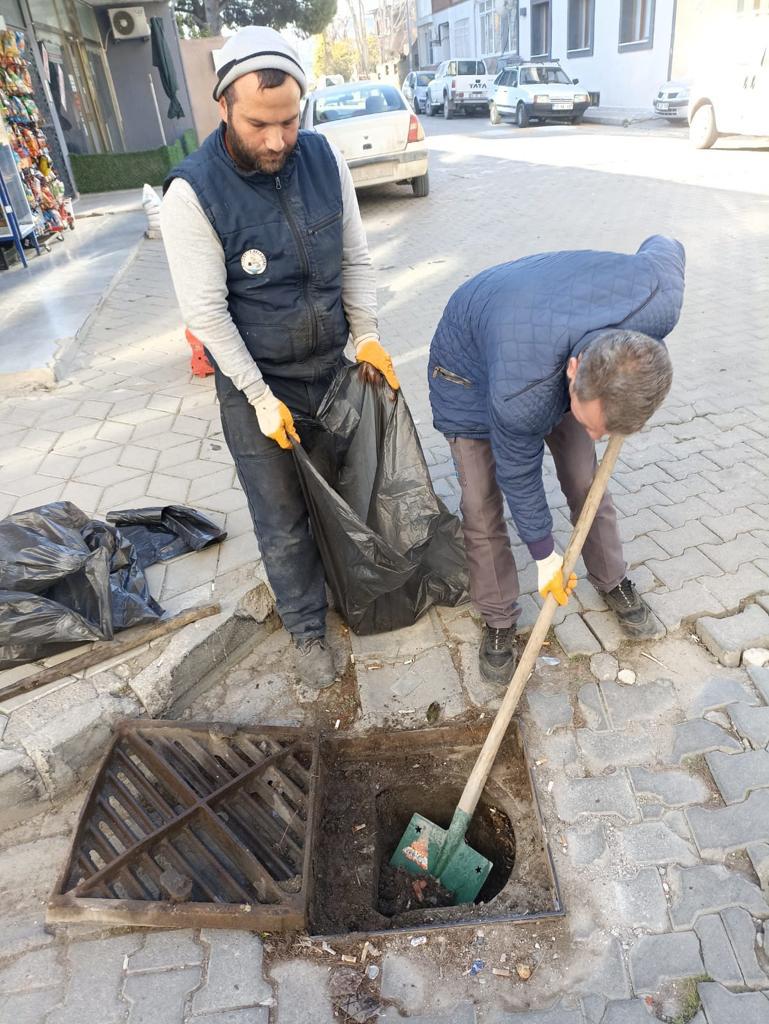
x=557 y=349
x=271 y=269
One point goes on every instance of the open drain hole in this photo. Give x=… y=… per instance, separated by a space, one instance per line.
x=491 y=833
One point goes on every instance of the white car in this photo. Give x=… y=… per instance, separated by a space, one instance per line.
x=732 y=98
x=415 y=88
x=378 y=135
x=536 y=90
x=672 y=101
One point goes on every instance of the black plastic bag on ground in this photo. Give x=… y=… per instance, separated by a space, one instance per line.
x=390 y=547
x=165 y=531
x=65 y=579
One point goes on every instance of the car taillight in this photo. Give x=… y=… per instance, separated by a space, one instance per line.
x=416 y=134
x=453 y=83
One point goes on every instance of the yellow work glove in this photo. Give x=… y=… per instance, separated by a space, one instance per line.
x=370 y=351
x=550 y=578
x=275 y=419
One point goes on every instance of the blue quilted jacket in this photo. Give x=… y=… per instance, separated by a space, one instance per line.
x=498 y=359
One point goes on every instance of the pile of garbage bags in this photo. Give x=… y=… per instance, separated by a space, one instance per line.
x=66 y=578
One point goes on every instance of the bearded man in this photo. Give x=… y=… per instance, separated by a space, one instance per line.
x=272 y=272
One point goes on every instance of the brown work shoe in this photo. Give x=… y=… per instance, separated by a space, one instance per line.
x=313 y=662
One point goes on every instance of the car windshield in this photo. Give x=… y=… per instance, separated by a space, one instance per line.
x=544 y=76
x=470 y=67
x=339 y=106
x=425 y=79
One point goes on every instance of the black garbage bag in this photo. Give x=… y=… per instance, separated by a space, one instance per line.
x=65 y=578
x=390 y=547
x=165 y=531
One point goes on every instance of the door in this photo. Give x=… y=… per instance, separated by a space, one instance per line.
x=408 y=87
x=755 y=113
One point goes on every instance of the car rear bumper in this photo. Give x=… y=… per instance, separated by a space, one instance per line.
x=378 y=170
x=546 y=110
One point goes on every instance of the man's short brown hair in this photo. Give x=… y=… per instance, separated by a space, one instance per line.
x=630 y=373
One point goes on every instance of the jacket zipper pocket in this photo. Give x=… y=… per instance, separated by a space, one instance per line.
x=303 y=261
x=438 y=371
x=324 y=223
x=534 y=383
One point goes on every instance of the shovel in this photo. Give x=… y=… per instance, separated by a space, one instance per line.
x=426 y=848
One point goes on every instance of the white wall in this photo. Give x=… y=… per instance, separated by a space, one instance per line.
x=629 y=79
x=452 y=15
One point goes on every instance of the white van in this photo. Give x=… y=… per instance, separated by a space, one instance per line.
x=732 y=98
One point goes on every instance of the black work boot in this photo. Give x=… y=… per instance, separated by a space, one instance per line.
x=313 y=662
x=498 y=654
x=634 y=614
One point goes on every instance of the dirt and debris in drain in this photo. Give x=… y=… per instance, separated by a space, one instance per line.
x=369 y=788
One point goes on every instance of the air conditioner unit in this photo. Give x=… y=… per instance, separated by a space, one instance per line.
x=129 y=23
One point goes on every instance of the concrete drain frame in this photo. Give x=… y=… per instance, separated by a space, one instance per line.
x=369 y=786
x=266 y=828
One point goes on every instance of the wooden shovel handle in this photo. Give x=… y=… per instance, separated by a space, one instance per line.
x=487 y=756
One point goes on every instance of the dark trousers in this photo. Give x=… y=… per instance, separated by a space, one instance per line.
x=276 y=502
x=494 y=585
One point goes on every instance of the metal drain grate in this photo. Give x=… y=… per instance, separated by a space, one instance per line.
x=195 y=826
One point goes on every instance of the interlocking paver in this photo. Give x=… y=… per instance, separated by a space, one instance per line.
x=656 y=959
x=673 y=788
x=574 y=636
x=728 y=638
x=640 y=703
x=720 y=830
x=621 y=748
x=677 y=541
x=717 y=692
x=736 y=775
x=611 y=795
x=724 y=1007
x=690 y=601
x=159 y=996
x=692 y=564
x=708 y=889
x=717 y=953
x=641 y=901
x=741 y=929
x=549 y=710
x=234 y=976
x=751 y=723
x=654 y=842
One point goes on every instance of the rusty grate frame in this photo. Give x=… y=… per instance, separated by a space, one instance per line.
x=195 y=825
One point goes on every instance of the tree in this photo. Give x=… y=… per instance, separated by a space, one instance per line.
x=209 y=17
x=340 y=56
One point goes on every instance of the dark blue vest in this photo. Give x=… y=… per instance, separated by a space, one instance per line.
x=290 y=315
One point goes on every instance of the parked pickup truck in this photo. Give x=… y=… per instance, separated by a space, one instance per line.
x=459 y=84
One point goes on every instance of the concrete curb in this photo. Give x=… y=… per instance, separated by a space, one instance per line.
x=619 y=118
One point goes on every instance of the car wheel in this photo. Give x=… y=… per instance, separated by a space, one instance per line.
x=702 y=130
x=494 y=114
x=416 y=106
x=447 y=111
x=421 y=185
x=521 y=117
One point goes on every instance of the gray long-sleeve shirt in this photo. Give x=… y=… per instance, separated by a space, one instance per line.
x=199 y=273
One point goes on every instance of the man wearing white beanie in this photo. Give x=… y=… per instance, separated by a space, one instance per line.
x=272 y=272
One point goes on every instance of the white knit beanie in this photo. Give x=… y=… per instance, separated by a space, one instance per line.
x=256 y=48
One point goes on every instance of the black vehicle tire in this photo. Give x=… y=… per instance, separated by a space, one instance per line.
x=521 y=117
x=448 y=113
x=494 y=113
x=416 y=106
x=421 y=185
x=702 y=130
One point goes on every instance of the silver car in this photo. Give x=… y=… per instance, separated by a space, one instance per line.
x=415 y=89
x=672 y=101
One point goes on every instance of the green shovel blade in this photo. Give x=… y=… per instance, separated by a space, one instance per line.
x=419 y=852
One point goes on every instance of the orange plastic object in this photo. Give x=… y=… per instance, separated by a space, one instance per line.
x=199 y=363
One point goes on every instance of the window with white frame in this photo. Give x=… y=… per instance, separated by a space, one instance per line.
x=540 y=28
x=462 y=37
x=636 y=25
x=580 y=28
x=487 y=16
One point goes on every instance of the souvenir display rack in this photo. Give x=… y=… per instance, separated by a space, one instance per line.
x=39 y=206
